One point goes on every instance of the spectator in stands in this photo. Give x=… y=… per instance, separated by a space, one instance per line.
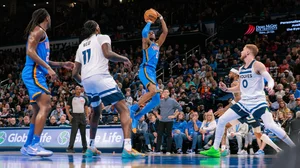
x=295 y=128
x=115 y=121
x=191 y=131
x=292 y=103
x=297 y=108
x=139 y=137
x=57 y=112
x=169 y=109
x=52 y=121
x=13 y=122
x=294 y=90
x=62 y=121
x=128 y=98
x=206 y=130
x=179 y=136
x=237 y=132
x=151 y=135
x=275 y=105
x=25 y=122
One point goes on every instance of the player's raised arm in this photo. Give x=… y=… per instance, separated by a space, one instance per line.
x=145 y=34
x=164 y=34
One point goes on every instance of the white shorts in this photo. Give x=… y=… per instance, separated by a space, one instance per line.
x=102 y=88
x=251 y=106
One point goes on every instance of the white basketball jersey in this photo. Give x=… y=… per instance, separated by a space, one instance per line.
x=90 y=55
x=251 y=84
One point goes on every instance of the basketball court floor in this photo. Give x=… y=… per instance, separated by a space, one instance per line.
x=64 y=160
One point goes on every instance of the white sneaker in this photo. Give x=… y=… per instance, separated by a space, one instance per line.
x=168 y=153
x=251 y=151
x=240 y=152
x=244 y=152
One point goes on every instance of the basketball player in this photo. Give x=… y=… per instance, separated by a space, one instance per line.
x=147 y=73
x=253 y=100
x=37 y=66
x=92 y=57
x=234 y=74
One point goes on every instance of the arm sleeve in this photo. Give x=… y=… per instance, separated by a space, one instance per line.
x=268 y=77
x=70 y=101
x=146 y=30
x=102 y=39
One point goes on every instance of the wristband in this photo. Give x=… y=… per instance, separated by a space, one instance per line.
x=161 y=18
x=232 y=102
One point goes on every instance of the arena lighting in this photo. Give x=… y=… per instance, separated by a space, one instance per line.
x=121 y=1
x=34 y=4
x=3 y=6
x=74 y=3
x=47 y=3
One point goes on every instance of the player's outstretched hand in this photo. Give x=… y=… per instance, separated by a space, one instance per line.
x=127 y=64
x=219 y=113
x=68 y=65
x=222 y=86
x=52 y=74
x=270 y=91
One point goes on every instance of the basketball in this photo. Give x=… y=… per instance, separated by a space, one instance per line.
x=150 y=14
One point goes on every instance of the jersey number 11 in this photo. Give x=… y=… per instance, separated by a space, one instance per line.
x=86 y=53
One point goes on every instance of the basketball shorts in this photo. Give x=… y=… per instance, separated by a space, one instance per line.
x=250 y=112
x=35 y=82
x=147 y=75
x=102 y=88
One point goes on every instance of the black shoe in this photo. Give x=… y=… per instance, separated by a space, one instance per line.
x=70 y=151
x=84 y=150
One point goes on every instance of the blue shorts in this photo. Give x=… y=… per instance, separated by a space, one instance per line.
x=147 y=75
x=35 y=82
x=246 y=117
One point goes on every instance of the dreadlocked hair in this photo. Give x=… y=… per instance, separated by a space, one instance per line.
x=38 y=16
x=89 y=28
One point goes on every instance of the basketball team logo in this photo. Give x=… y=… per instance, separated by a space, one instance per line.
x=250 y=30
x=2 y=137
x=63 y=137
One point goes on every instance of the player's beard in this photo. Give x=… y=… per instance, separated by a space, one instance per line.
x=243 y=58
x=152 y=39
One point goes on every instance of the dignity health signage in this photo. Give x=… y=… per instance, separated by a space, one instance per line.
x=106 y=137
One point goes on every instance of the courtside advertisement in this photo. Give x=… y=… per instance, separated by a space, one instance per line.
x=59 y=138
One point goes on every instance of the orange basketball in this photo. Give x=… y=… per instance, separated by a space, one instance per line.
x=150 y=14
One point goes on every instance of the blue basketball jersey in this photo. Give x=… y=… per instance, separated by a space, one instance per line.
x=43 y=51
x=151 y=55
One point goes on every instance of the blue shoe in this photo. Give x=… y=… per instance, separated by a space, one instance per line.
x=259 y=152
x=92 y=152
x=23 y=151
x=131 y=155
x=225 y=152
x=134 y=125
x=38 y=150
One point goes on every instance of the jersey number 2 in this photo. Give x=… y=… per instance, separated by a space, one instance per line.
x=86 y=53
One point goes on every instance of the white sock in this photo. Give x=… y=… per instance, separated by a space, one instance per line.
x=149 y=146
x=223 y=120
x=223 y=147
x=279 y=132
x=92 y=143
x=127 y=144
x=268 y=141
